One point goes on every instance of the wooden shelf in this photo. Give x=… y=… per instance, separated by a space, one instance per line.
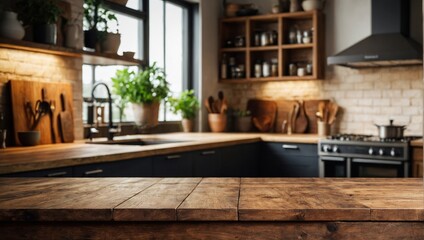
x=300 y=54
x=88 y=57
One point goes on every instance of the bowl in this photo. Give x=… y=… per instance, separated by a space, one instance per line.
x=128 y=54
x=309 y=5
x=29 y=138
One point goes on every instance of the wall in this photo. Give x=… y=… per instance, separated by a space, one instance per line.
x=366 y=96
x=29 y=66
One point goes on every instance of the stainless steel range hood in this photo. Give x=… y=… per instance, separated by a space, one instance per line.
x=389 y=43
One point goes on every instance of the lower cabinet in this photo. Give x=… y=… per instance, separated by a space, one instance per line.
x=240 y=161
x=55 y=172
x=417 y=161
x=207 y=163
x=127 y=168
x=173 y=165
x=289 y=160
x=243 y=160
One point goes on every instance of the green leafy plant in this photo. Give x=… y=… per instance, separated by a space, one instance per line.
x=187 y=104
x=97 y=17
x=146 y=86
x=38 y=11
x=242 y=113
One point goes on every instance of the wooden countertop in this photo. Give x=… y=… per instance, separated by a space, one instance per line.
x=19 y=159
x=211 y=199
x=417 y=143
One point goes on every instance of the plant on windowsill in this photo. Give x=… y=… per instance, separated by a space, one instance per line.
x=42 y=16
x=187 y=105
x=98 y=22
x=144 y=90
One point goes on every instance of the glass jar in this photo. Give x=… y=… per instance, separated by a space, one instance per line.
x=258 y=69
x=266 y=69
x=274 y=67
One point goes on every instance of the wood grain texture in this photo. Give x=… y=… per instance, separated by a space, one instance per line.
x=263 y=110
x=214 y=230
x=158 y=202
x=213 y=200
x=28 y=92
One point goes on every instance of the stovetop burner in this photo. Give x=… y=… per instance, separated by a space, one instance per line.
x=369 y=138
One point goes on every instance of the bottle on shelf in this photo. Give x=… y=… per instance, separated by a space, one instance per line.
x=258 y=69
x=274 y=67
x=232 y=67
x=224 y=67
x=266 y=69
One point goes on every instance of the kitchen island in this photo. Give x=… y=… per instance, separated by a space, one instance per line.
x=211 y=208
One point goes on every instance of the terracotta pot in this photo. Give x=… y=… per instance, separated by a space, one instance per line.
x=188 y=124
x=146 y=114
x=111 y=43
x=243 y=124
x=217 y=122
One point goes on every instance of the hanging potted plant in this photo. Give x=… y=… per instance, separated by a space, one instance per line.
x=42 y=15
x=187 y=105
x=109 y=40
x=144 y=90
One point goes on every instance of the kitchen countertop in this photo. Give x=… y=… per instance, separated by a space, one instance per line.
x=417 y=143
x=19 y=159
x=251 y=202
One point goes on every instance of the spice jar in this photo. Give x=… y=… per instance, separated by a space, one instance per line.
x=292 y=69
x=274 y=67
x=264 y=39
x=266 y=69
x=258 y=69
x=257 y=39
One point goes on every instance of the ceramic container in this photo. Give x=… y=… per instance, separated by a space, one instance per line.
x=309 y=5
x=10 y=27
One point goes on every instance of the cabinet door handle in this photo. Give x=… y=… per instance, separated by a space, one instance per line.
x=208 y=152
x=56 y=174
x=173 y=156
x=93 y=172
x=290 y=147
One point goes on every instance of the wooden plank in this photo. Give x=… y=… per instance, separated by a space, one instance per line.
x=213 y=230
x=156 y=203
x=83 y=202
x=214 y=199
x=297 y=200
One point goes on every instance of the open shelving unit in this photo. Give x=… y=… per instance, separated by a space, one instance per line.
x=282 y=50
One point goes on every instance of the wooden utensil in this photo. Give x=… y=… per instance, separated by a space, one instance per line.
x=301 y=123
x=66 y=123
x=293 y=116
x=208 y=107
x=333 y=109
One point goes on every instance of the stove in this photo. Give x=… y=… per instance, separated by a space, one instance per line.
x=356 y=155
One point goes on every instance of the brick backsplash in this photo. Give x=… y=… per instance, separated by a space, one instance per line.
x=366 y=96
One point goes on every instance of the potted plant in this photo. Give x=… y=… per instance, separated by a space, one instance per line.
x=187 y=105
x=97 y=23
x=144 y=90
x=42 y=15
x=243 y=120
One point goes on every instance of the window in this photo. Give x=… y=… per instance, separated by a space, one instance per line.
x=167 y=44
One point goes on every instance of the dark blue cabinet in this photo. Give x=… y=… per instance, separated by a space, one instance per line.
x=127 y=168
x=240 y=160
x=207 y=163
x=54 y=172
x=288 y=160
x=173 y=165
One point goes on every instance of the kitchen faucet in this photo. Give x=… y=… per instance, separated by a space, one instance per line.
x=111 y=129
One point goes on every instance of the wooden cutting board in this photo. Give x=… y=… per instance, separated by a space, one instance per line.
x=301 y=121
x=264 y=111
x=26 y=93
x=66 y=122
x=285 y=108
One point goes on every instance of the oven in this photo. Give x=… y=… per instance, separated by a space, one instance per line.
x=364 y=157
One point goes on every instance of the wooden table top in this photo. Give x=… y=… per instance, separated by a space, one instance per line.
x=211 y=199
x=20 y=159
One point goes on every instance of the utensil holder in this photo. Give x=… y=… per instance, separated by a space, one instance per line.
x=217 y=122
x=323 y=128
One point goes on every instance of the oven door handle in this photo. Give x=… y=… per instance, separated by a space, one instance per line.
x=360 y=160
x=333 y=159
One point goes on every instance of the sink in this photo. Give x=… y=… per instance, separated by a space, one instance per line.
x=140 y=142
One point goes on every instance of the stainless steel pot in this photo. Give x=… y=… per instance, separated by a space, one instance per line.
x=390 y=131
